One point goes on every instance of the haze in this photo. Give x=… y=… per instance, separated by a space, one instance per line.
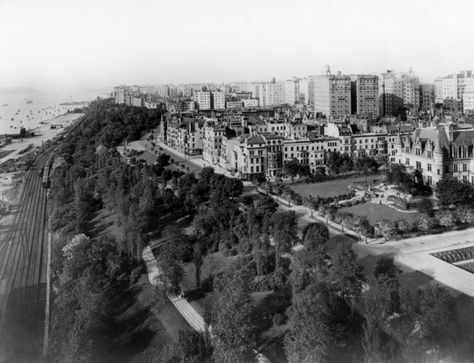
x=102 y=43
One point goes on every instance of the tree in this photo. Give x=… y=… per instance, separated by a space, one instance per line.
x=371 y=340
x=465 y=214
x=198 y=261
x=171 y=274
x=425 y=205
x=425 y=223
x=386 y=266
x=437 y=309
x=452 y=191
x=309 y=335
x=446 y=217
x=292 y=168
x=307 y=267
x=315 y=234
x=403 y=226
x=191 y=347
x=387 y=229
x=206 y=175
x=163 y=160
x=346 y=274
x=408 y=334
x=233 y=325
x=387 y=275
x=284 y=233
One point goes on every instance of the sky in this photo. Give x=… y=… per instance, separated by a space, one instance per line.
x=101 y=43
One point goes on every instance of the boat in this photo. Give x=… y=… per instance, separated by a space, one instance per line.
x=29 y=102
x=5 y=105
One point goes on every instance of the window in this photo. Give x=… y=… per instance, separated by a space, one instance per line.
x=438 y=171
x=429 y=154
x=464 y=178
x=464 y=167
x=407 y=161
x=418 y=151
x=418 y=165
x=455 y=167
x=428 y=166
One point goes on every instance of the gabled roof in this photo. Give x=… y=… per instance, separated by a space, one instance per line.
x=436 y=136
x=463 y=137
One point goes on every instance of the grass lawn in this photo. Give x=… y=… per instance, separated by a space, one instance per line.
x=330 y=188
x=378 y=212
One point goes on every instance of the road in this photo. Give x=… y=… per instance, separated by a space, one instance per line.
x=23 y=263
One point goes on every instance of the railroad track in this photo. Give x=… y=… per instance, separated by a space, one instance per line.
x=23 y=272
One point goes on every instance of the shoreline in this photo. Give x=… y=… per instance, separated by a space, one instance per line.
x=43 y=133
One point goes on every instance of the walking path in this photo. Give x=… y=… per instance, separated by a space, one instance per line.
x=312 y=217
x=187 y=311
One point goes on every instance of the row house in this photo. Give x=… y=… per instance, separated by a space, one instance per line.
x=212 y=142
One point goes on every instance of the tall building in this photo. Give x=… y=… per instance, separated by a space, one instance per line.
x=451 y=86
x=427 y=96
x=217 y=100
x=332 y=94
x=411 y=90
x=291 y=92
x=365 y=95
x=303 y=90
x=390 y=94
x=203 y=100
x=271 y=93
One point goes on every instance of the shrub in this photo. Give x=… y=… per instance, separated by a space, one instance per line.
x=136 y=273
x=207 y=285
x=194 y=294
x=279 y=319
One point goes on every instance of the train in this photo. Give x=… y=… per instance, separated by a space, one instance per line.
x=45 y=173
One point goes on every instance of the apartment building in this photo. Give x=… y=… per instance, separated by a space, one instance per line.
x=391 y=94
x=365 y=95
x=290 y=92
x=212 y=142
x=203 y=100
x=332 y=94
x=427 y=97
x=451 y=86
x=250 y=103
x=217 y=100
x=184 y=134
x=411 y=90
x=271 y=93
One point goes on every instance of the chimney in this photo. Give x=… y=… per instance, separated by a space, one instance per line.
x=328 y=70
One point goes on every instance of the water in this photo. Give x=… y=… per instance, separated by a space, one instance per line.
x=16 y=112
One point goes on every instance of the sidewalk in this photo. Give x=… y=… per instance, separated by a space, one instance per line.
x=312 y=216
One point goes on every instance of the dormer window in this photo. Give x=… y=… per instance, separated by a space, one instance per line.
x=429 y=154
x=418 y=151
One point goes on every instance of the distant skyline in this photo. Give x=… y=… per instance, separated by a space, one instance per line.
x=101 y=43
